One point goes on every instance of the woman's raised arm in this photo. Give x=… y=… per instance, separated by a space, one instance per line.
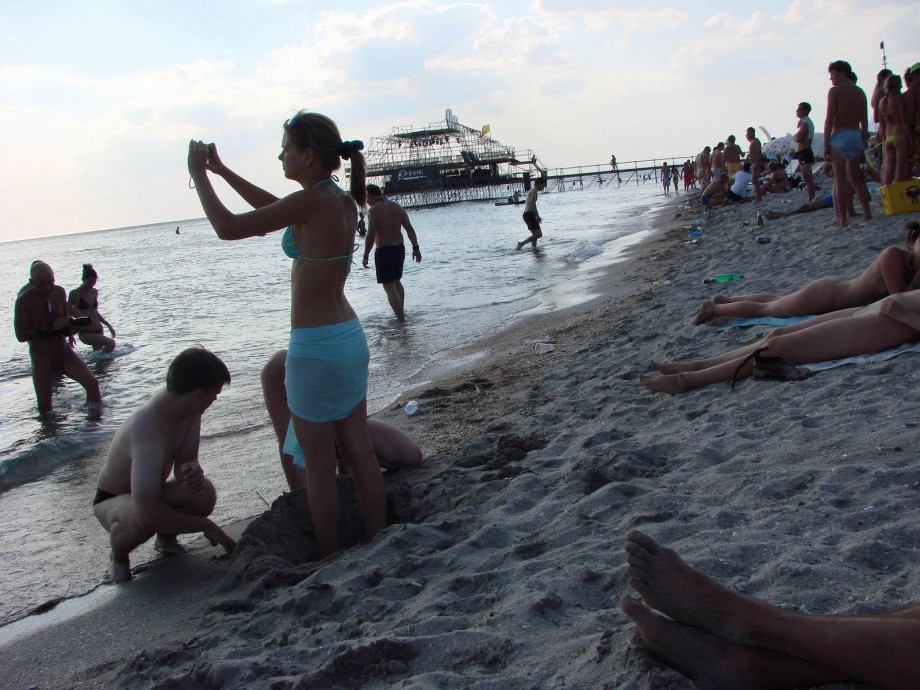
x=251 y=194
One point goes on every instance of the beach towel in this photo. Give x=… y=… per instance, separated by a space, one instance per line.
x=771 y=321
x=882 y=356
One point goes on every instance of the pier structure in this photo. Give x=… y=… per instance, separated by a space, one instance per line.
x=602 y=175
x=447 y=162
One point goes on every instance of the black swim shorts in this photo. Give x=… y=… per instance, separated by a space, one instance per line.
x=531 y=219
x=805 y=157
x=102 y=496
x=388 y=262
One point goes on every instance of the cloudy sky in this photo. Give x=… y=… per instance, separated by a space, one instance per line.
x=98 y=99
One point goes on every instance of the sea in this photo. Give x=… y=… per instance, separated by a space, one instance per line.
x=164 y=291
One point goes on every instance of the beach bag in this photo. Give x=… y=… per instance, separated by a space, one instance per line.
x=776 y=368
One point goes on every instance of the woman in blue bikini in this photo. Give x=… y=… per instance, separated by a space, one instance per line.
x=327 y=362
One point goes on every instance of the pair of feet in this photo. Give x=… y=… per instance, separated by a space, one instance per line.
x=707 y=625
x=120 y=569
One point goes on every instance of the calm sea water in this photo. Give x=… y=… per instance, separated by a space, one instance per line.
x=164 y=292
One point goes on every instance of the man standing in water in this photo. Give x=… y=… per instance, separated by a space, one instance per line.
x=42 y=319
x=530 y=215
x=135 y=498
x=385 y=221
x=846 y=135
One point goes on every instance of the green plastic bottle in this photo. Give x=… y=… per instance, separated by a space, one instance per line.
x=724 y=278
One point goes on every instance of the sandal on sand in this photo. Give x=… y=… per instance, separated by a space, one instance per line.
x=777 y=368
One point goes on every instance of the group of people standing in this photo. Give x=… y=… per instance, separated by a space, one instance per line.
x=48 y=320
x=151 y=482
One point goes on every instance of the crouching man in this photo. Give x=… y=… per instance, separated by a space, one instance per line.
x=135 y=496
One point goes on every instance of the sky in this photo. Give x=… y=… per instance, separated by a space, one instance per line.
x=99 y=98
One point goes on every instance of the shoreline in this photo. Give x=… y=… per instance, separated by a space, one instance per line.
x=505 y=567
x=103 y=601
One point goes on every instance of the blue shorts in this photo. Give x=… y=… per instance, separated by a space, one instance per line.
x=828 y=200
x=326 y=371
x=848 y=142
x=325 y=376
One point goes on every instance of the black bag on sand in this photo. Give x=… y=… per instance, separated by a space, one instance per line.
x=777 y=368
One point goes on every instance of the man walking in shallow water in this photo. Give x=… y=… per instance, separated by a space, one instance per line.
x=530 y=215
x=385 y=221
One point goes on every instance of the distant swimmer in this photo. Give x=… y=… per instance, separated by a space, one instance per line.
x=177 y=229
x=531 y=216
x=43 y=319
x=135 y=496
x=386 y=219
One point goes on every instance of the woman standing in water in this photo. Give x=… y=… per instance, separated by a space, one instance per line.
x=85 y=299
x=327 y=361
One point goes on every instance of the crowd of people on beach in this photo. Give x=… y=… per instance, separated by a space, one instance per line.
x=715 y=636
x=152 y=486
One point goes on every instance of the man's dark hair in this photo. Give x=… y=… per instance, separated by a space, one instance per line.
x=752 y=130
x=806 y=107
x=374 y=189
x=841 y=66
x=196 y=368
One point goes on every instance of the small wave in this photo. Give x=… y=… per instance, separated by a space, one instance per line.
x=584 y=253
x=34 y=461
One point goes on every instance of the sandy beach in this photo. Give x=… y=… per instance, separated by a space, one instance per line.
x=505 y=564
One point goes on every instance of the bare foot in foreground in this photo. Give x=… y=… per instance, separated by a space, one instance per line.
x=712 y=663
x=685 y=594
x=668 y=383
x=168 y=545
x=519 y=245
x=119 y=571
x=704 y=313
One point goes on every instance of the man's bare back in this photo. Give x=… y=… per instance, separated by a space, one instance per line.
x=387 y=219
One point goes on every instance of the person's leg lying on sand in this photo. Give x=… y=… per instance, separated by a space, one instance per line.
x=844 y=333
x=723 y=639
x=394 y=449
x=707 y=310
x=817 y=297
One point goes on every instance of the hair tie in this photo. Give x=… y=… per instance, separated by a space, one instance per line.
x=349 y=147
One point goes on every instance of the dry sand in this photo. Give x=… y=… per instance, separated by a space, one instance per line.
x=506 y=565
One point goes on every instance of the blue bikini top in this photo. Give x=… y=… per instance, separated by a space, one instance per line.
x=289 y=246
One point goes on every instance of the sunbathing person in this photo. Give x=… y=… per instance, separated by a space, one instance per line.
x=775 y=181
x=716 y=192
x=885 y=324
x=722 y=639
x=895 y=270
x=392 y=446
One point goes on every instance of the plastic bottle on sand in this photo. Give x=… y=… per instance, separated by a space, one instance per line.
x=411 y=408
x=724 y=278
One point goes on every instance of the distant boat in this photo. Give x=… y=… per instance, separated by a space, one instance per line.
x=510 y=202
